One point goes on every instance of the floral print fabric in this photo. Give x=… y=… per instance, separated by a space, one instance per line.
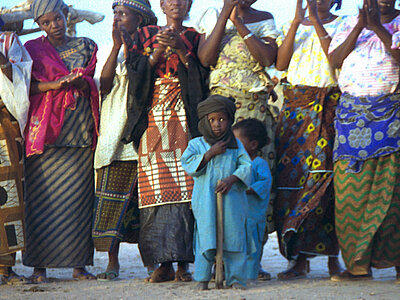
x=370 y=69
x=366 y=127
x=309 y=64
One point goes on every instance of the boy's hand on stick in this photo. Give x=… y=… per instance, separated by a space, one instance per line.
x=225 y=184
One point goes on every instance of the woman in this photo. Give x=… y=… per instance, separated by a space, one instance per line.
x=304 y=216
x=238 y=43
x=367 y=144
x=116 y=216
x=61 y=135
x=165 y=84
x=15 y=77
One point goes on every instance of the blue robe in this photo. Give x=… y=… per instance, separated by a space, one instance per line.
x=261 y=181
x=232 y=162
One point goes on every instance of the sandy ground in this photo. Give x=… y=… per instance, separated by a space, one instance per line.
x=131 y=285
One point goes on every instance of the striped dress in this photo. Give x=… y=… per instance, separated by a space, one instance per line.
x=60 y=184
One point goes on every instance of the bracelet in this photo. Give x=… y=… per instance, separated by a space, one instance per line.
x=325 y=37
x=247 y=36
x=5 y=66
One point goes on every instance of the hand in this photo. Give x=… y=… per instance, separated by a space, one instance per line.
x=72 y=79
x=126 y=40
x=372 y=14
x=228 y=7
x=169 y=37
x=116 y=35
x=225 y=184
x=217 y=148
x=312 y=11
x=300 y=12
x=234 y=17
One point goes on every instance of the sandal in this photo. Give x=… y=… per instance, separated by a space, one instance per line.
x=347 y=276
x=13 y=279
x=183 y=275
x=162 y=274
x=107 y=276
x=292 y=274
x=84 y=275
x=38 y=278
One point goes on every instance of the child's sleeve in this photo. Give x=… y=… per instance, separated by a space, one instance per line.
x=263 y=181
x=243 y=170
x=192 y=158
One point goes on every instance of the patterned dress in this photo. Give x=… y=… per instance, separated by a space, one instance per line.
x=304 y=214
x=60 y=181
x=367 y=151
x=165 y=190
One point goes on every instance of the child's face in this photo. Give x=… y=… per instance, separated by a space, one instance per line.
x=218 y=122
x=250 y=146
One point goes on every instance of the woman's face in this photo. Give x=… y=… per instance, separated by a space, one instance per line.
x=126 y=17
x=175 y=9
x=324 y=5
x=246 y=3
x=218 y=122
x=54 y=24
x=386 y=6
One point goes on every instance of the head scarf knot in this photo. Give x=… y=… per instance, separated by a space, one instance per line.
x=142 y=7
x=42 y=7
x=217 y=103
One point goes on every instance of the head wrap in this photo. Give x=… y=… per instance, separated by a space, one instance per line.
x=42 y=7
x=338 y=4
x=142 y=7
x=217 y=103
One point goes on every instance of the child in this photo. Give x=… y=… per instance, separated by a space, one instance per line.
x=218 y=155
x=252 y=134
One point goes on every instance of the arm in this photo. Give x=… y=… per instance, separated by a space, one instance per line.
x=209 y=48
x=262 y=185
x=217 y=148
x=7 y=69
x=285 y=51
x=263 y=52
x=72 y=79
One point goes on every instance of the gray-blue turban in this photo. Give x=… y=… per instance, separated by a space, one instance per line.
x=42 y=7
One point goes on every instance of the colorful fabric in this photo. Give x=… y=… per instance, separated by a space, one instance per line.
x=143 y=7
x=231 y=162
x=161 y=177
x=15 y=93
x=367 y=213
x=116 y=214
x=366 y=127
x=11 y=186
x=42 y=7
x=7 y=261
x=47 y=110
x=58 y=208
x=261 y=181
x=370 y=69
x=236 y=68
x=309 y=64
x=304 y=216
x=217 y=103
x=113 y=115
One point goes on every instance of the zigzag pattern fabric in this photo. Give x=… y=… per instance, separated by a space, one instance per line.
x=367 y=213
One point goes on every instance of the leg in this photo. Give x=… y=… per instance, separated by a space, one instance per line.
x=163 y=273
x=203 y=263
x=334 y=265
x=182 y=274
x=398 y=275
x=299 y=270
x=235 y=269
x=8 y=276
x=112 y=270
x=39 y=275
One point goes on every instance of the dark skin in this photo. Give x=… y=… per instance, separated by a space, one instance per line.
x=240 y=13
x=371 y=16
x=317 y=13
x=168 y=36
x=219 y=124
x=125 y=25
x=54 y=24
x=8 y=70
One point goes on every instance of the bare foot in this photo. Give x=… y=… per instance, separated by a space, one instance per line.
x=299 y=270
x=334 y=266
x=238 y=286
x=164 y=273
x=82 y=274
x=112 y=270
x=182 y=274
x=201 y=286
x=38 y=275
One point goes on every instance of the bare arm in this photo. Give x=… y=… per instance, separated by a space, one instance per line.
x=73 y=79
x=208 y=51
x=8 y=67
x=285 y=51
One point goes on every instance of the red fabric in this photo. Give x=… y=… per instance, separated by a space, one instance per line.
x=46 y=112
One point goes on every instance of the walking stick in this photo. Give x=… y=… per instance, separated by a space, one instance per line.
x=219 y=267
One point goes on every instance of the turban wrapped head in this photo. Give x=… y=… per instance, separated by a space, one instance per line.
x=142 y=7
x=42 y=7
x=217 y=103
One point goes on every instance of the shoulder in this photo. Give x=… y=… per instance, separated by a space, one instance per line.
x=263 y=15
x=88 y=42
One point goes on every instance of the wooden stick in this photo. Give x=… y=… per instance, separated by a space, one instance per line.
x=219 y=267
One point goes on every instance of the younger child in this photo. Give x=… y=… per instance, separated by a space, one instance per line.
x=252 y=134
x=218 y=155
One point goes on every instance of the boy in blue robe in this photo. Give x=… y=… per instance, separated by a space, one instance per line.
x=252 y=134
x=218 y=155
